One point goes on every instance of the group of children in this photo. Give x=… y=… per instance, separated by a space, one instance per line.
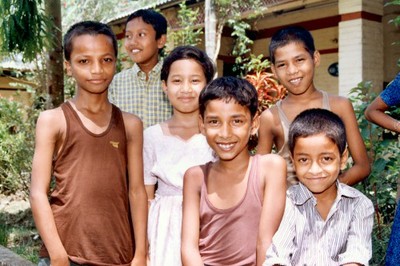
x=187 y=186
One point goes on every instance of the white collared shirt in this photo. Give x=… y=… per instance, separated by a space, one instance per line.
x=304 y=238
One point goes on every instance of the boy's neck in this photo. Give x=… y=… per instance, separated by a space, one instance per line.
x=235 y=165
x=147 y=67
x=95 y=104
x=311 y=92
x=325 y=201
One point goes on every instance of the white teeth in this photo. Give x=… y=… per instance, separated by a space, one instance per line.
x=135 y=51
x=295 y=81
x=226 y=146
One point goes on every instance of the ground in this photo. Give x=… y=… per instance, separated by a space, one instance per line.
x=17 y=229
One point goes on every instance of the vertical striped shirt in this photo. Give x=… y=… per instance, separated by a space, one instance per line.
x=304 y=238
x=130 y=91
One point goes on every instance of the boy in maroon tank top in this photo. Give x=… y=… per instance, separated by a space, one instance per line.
x=94 y=152
x=231 y=207
x=294 y=60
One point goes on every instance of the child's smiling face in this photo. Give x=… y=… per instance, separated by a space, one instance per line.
x=185 y=81
x=227 y=126
x=294 y=67
x=317 y=162
x=141 y=43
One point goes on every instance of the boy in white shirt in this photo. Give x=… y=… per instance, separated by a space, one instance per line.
x=325 y=222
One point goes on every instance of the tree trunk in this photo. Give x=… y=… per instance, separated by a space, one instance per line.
x=210 y=26
x=55 y=71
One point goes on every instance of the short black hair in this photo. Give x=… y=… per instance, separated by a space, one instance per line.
x=318 y=121
x=155 y=19
x=87 y=28
x=290 y=34
x=229 y=88
x=189 y=52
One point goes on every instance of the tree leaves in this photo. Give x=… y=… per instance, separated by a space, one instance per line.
x=22 y=27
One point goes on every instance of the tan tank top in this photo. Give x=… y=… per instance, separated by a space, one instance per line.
x=90 y=201
x=229 y=236
x=284 y=151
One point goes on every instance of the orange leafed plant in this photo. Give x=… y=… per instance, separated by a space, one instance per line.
x=268 y=88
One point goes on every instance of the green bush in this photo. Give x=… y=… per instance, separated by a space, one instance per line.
x=383 y=149
x=16 y=145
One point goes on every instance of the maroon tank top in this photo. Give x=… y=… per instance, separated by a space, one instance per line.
x=229 y=236
x=90 y=201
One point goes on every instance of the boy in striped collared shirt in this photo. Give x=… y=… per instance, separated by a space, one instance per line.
x=325 y=222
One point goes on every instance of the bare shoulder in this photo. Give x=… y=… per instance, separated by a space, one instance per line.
x=272 y=170
x=133 y=124
x=340 y=104
x=268 y=114
x=194 y=176
x=272 y=160
x=53 y=119
x=131 y=119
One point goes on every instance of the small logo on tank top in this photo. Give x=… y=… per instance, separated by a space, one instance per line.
x=114 y=144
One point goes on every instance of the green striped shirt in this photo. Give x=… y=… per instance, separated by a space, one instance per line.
x=130 y=91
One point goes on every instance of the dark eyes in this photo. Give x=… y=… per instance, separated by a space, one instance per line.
x=86 y=61
x=130 y=36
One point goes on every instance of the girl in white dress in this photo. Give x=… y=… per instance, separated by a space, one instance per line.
x=171 y=147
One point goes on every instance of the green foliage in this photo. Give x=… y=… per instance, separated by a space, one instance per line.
x=381 y=185
x=3 y=234
x=16 y=145
x=242 y=43
x=18 y=233
x=22 y=27
x=186 y=34
x=257 y=64
x=396 y=20
x=103 y=10
x=24 y=244
x=244 y=60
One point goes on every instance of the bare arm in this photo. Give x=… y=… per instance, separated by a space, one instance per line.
x=137 y=192
x=274 y=190
x=48 y=133
x=375 y=113
x=150 y=191
x=265 y=135
x=361 y=166
x=192 y=182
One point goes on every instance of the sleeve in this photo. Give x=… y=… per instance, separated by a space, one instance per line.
x=359 y=243
x=391 y=95
x=283 y=243
x=149 y=157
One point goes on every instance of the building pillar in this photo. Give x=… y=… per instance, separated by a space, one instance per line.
x=360 y=44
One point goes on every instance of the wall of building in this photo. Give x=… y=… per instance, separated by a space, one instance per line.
x=326 y=39
x=391 y=39
x=361 y=57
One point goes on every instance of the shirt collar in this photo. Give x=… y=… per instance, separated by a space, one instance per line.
x=300 y=193
x=156 y=69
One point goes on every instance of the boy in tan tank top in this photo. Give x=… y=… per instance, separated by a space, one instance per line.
x=95 y=153
x=233 y=206
x=294 y=58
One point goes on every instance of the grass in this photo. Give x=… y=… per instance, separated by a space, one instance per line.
x=18 y=233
